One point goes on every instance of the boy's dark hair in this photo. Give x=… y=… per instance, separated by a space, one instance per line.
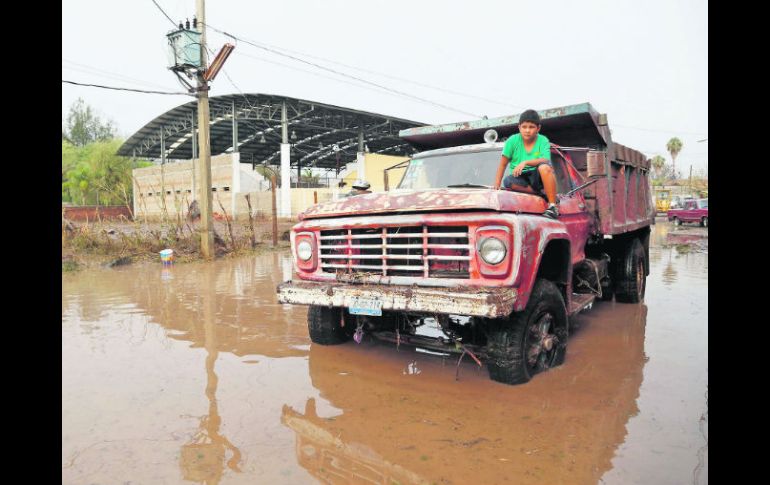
x=531 y=116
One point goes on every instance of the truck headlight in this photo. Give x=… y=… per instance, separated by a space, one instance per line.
x=304 y=250
x=492 y=250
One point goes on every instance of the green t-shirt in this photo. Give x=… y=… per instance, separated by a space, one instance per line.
x=514 y=149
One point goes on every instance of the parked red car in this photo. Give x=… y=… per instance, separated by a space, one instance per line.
x=693 y=211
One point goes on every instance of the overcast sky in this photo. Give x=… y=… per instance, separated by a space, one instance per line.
x=644 y=63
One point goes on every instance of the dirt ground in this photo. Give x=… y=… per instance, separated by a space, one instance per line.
x=118 y=242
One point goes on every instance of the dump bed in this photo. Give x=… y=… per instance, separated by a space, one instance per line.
x=620 y=199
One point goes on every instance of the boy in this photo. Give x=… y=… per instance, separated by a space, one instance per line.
x=529 y=155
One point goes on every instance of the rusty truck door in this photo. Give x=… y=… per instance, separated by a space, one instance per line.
x=572 y=209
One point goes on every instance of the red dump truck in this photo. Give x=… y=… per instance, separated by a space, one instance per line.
x=479 y=265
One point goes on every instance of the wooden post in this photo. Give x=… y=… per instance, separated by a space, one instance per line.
x=315 y=197
x=206 y=227
x=275 y=212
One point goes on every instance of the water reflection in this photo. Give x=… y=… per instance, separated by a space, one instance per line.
x=676 y=249
x=669 y=271
x=412 y=369
x=203 y=458
x=334 y=461
x=562 y=427
x=133 y=348
x=247 y=319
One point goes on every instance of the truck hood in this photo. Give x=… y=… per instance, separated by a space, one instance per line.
x=428 y=200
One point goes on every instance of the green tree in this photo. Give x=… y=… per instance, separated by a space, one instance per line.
x=658 y=166
x=95 y=173
x=83 y=126
x=267 y=171
x=674 y=146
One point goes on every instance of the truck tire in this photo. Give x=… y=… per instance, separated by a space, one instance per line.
x=677 y=221
x=630 y=277
x=323 y=324
x=704 y=222
x=530 y=341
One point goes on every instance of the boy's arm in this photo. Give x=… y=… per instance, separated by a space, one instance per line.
x=501 y=170
x=544 y=146
x=529 y=163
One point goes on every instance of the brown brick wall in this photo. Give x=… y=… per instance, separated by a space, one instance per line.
x=92 y=212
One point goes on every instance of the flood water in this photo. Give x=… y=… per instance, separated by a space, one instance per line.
x=194 y=374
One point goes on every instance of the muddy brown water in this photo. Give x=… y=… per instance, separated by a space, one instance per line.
x=194 y=374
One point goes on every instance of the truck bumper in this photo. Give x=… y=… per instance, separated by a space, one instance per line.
x=481 y=302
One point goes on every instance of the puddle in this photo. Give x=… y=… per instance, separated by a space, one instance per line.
x=194 y=374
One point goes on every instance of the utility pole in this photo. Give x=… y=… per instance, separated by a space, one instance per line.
x=204 y=149
x=275 y=211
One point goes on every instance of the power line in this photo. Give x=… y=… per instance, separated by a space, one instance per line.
x=123 y=89
x=270 y=129
x=102 y=72
x=356 y=84
x=277 y=50
x=344 y=74
x=265 y=60
x=390 y=76
x=164 y=13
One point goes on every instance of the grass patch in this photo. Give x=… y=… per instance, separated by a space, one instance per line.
x=143 y=241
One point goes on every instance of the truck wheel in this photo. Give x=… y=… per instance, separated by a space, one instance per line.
x=630 y=279
x=677 y=222
x=704 y=222
x=323 y=324
x=532 y=341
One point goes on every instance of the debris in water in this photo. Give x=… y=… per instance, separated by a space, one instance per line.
x=119 y=262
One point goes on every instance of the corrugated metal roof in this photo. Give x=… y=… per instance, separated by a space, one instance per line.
x=316 y=126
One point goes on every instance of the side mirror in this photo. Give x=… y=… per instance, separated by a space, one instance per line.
x=597 y=164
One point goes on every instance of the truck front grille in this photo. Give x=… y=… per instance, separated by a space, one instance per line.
x=418 y=251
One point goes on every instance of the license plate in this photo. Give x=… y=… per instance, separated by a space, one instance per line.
x=365 y=306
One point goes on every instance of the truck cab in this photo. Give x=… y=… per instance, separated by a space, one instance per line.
x=477 y=263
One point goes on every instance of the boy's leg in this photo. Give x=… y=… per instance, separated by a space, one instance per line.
x=510 y=180
x=549 y=181
x=546 y=180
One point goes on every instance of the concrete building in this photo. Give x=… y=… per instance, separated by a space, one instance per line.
x=285 y=135
x=171 y=187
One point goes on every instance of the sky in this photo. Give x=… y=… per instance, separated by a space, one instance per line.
x=644 y=63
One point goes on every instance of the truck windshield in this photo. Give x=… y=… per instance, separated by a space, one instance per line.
x=471 y=170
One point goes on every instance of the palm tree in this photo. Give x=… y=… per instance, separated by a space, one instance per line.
x=674 y=146
x=267 y=172
x=658 y=163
